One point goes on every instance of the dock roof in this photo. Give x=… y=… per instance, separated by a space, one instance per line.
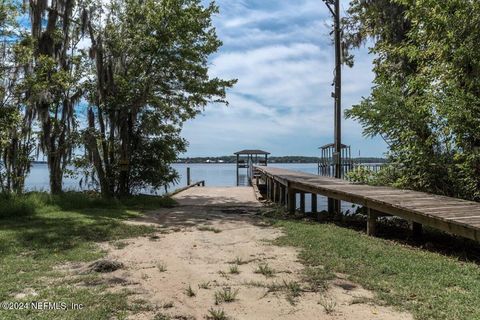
x=332 y=145
x=253 y=151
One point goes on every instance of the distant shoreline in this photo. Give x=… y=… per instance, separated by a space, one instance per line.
x=283 y=159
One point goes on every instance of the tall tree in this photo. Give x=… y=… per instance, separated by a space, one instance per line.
x=16 y=139
x=425 y=95
x=53 y=84
x=151 y=75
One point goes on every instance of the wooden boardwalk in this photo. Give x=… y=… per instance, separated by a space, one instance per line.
x=455 y=216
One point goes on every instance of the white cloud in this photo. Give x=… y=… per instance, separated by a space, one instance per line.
x=281 y=53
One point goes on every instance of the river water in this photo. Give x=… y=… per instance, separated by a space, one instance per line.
x=214 y=174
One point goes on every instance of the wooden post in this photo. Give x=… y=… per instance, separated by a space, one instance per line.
x=188 y=176
x=302 y=202
x=238 y=159
x=267 y=182
x=275 y=192
x=291 y=201
x=272 y=190
x=282 y=195
x=331 y=205
x=416 y=229
x=314 y=203
x=371 y=222
x=271 y=197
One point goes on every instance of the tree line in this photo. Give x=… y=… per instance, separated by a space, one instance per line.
x=104 y=86
x=425 y=101
x=274 y=159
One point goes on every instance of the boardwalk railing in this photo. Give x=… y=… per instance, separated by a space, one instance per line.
x=455 y=216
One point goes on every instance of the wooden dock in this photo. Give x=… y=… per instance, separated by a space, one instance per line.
x=455 y=216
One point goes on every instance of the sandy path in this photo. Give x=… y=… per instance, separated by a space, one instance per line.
x=184 y=253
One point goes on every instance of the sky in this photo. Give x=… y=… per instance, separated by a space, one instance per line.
x=283 y=57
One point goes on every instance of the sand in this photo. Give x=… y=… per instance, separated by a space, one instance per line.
x=195 y=245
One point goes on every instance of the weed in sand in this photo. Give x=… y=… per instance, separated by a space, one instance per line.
x=140 y=305
x=167 y=305
x=223 y=274
x=238 y=261
x=363 y=300
x=189 y=292
x=318 y=278
x=119 y=244
x=271 y=287
x=216 y=314
x=162 y=267
x=162 y=316
x=265 y=270
x=294 y=289
x=225 y=295
x=208 y=228
x=204 y=285
x=328 y=305
x=234 y=270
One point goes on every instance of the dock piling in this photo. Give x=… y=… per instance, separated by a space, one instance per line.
x=314 y=203
x=372 y=217
x=291 y=201
x=302 y=202
x=417 y=229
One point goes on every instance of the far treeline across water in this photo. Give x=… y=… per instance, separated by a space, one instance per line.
x=281 y=159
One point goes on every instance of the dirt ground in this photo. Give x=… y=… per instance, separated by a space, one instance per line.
x=198 y=245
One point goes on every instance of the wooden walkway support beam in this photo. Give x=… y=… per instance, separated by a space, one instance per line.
x=372 y=217
x=417 y=229
x=291 y=200
x=302 y=202
x=314 y=203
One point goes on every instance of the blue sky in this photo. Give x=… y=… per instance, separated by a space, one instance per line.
x=281 y=53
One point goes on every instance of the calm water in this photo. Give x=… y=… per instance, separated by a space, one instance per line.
x=215 y=175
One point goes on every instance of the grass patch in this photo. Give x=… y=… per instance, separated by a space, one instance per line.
x=204 y=285
x=208 y=228
x=294 y=290
x=216 y=314
x=35 y=202
x=234 y=269
x=328 y=305
x=266 y=270
x=162 y=316
x=225 y=295
x=427 y=284
x=238 y=261
x=167 y=305
x=39 y=232
x=162 y=267
x=190 y=292
x=119 y=244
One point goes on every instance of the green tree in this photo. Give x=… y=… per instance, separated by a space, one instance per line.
x=425 y=99
x=150 y=60
x=53 y=75
x=16 y=138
